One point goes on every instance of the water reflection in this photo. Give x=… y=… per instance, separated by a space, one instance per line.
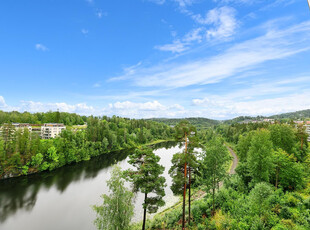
x=21 y=193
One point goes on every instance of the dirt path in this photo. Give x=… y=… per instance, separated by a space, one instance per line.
x=235 y=161
x=200 y=194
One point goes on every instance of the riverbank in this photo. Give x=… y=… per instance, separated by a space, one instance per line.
x=35 y=201
x=32 y=170
x=197 y=193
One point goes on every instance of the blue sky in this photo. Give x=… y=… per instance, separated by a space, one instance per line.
x=155 y=58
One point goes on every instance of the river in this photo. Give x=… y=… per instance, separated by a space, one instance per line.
x=62 y=199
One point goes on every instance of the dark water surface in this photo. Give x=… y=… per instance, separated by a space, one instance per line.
x=62 y=199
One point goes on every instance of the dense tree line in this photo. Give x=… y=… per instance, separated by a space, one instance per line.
x=41 y=118
x=199 y=122
x=23 y=152
x=269 y=191
x=302 y=114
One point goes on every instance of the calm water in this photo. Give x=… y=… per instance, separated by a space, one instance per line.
x=62 y=199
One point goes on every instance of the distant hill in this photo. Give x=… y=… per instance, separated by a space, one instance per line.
x=202 y=123
x=242 y=119
x=298 y=115
x=303 y=114
x=199 y=122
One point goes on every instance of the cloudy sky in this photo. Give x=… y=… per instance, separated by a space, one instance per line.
x=155 y=58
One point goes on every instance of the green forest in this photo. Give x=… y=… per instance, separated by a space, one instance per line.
x=268 y=190
x=41 y=118
x=23 y=152
x=266 y=186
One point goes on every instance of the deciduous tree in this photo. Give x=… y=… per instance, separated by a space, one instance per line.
x=215 y=159
x=116 y=211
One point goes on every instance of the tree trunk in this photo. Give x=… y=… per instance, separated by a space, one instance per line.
x=213 y=205
x=277 y=177
x=184 y=192
x=144 y=214
x=189 y=195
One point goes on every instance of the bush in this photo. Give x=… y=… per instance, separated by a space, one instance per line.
x=285 y=213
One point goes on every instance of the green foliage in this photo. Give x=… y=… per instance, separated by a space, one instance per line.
x=213 y=169
x=302 y=114
x=244 y=145
x=116 y=211
x=259 y=156
x=282 y=136
x=25 y=169
x=287 y=173
x=258 y=198
x=147 y=177
x=41 y=118
x=199 y=122
x=101 y=136
x=177 y=173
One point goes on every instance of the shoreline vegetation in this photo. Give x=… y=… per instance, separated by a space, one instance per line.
x=266 y=186
x=198 y=194
x=23 y=152
x=110 y=152
x=267 y=189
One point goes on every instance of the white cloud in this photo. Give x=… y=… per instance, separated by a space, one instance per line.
x=184 y=3
x=194 y=35
x=225 y=107
x=128 y=71
x=176 y=47
x=32 y=106
x=100 y=13
x=238 y=1
x=2 y=102
x=149 y=106
x=179 y=46
x=97 y=85
x=159 y=2
x=224 y=26
x=240 y=58
x=223 y=19
x=84 y=31
x=144 y=110
x=41 y=47
x=126 y=108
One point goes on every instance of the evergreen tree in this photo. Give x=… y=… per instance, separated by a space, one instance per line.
x=117 y=209
x=147 y=178
x=215 y=159
x=185 y=132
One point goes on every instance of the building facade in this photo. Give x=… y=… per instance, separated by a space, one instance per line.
x=51 y=130
x=15 y=127
x=22 y=126
x=308 y=131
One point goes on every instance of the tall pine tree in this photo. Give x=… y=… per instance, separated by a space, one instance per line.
x=147 y=179
x=185 y=132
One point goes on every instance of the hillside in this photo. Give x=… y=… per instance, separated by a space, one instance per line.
x=302 y=114
x=199 y=122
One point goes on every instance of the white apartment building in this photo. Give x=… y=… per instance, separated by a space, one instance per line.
x=308 y=131
x=22 y=126
x=17 y=126
x=51 y=130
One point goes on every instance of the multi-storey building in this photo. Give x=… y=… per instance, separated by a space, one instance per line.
x=15 y=127
x=308 y=131
x=22 y=126
x=51 y=130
